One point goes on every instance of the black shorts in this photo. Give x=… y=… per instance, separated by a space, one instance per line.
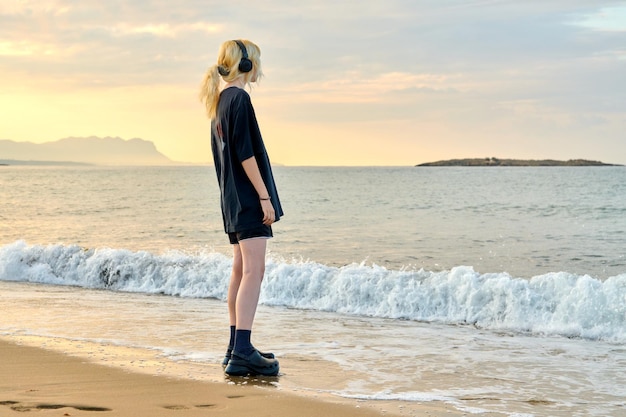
x=262 y=231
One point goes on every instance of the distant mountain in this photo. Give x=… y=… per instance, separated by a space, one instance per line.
x=492 y=162
x=89 y=150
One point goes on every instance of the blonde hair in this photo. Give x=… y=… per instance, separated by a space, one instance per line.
x=228 y=59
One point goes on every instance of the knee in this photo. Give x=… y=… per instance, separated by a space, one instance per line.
x=236 y=272
x=237 y=269
x=254 y=273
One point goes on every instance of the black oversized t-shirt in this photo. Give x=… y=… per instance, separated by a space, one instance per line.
x=235 y=137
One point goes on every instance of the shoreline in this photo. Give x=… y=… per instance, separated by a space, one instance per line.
x=55 y=383
x=52 y=383
x=339 y=360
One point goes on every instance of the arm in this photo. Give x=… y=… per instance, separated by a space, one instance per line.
x=251 y=168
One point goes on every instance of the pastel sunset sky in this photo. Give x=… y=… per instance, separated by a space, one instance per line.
x=394 y=82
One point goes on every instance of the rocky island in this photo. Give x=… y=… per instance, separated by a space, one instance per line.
x=493 y=162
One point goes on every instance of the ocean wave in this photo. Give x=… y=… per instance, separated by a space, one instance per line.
x=552 y=304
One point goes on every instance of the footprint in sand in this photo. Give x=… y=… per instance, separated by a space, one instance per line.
x=184 y=407
x=17 y=406
x=176 y=407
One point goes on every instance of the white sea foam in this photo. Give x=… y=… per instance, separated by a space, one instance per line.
x=557 y=303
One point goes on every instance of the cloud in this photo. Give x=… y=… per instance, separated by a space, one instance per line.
x=34 y=7
x=91 y=43
x=163 y=29
x=23 y=48
x=608 y=19
x=355 y=87
x=460 y=68
x=330 y=39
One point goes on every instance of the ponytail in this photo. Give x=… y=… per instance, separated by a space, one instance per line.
x=209 y=91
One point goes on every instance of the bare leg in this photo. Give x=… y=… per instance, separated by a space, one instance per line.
x=235 y=282
x=245 y=358
x=247 y=298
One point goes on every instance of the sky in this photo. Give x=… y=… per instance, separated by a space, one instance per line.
x=369 y=82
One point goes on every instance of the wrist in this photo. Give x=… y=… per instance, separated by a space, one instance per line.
x=268 y=198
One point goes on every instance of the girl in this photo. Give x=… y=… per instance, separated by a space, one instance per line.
x=249 y=199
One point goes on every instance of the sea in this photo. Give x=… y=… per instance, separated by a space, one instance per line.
x=492 y=291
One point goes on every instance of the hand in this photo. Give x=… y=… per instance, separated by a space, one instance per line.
x=268 y=212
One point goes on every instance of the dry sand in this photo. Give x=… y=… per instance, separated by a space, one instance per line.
x=54 y=384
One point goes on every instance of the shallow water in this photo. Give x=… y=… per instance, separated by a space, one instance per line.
x=391 y=364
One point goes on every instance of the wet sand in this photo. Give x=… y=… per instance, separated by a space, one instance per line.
x=55 y=384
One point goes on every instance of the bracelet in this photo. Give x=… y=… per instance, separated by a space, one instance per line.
x=265 y=199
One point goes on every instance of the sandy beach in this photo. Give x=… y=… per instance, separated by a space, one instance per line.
x=54 y=384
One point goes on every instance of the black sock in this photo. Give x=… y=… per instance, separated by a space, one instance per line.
x=231 y=342
x=242 y=342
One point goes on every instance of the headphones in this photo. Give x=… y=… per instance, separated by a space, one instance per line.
x=245 y=65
